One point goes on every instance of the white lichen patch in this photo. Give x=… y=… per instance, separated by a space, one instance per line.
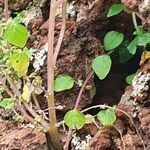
x=140 y=84
x=80 y=144
x=144 y=6
x=71 y=11
x=39 y=57
x=33 y=11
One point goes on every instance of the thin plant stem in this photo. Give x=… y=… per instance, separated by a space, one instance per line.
x=82 y=89
x=18 y=93
x=124 y=145
x=6 y=9
x=66 y=146
x=36 y=101
x=50 y=66
x=134 y=20
x=53 y=139
x=19 y=107
x=105 y=106
x=60 y=39
x=94 y=139
x=77 y=105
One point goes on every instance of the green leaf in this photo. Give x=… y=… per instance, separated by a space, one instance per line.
x=115 y=9
x=26 y=93
x=139 y=30
x=106 y=117
x=89 y=119
x=20 y=16
x=101 y=66
x=133 y=46
x=7 y=103
x=74 y=119
x=16 y=34
x=143 y=39
x=112 y=40
x=124 y=55
x=129 y=78
x=20 y=62
x=63 y=82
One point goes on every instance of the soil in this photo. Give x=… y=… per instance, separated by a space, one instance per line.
x=19 y=137
x=82 y=42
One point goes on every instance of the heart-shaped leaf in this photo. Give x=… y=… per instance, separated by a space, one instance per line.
x=106 y=117
x=101 y=66
x=20 y=63
x=112 y=40
x=133 y=46
x=63 y=82
x=16 y=34
x=115 y=9
x=74 y=119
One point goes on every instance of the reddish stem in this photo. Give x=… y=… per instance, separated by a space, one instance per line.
x=60 y=39
x=82 y=89
x=6 y=14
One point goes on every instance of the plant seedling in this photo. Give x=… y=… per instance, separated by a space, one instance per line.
x=115 y=9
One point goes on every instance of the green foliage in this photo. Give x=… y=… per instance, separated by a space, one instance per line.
x=20 y=62
x=101 y=66
x=133 y=46
x=16 y=34
x=143 y=39
x=74 y=119
x=115 y=9
x=7 y=103
x=112 y=40
x=20 y=16
x=129 y=78
x=124 y=54
x=63 y=82
x=26 y=93
x=89 y=119
x=106 y=117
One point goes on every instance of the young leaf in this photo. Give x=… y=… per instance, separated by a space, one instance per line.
x=124 y=55
x=7 y=103
x=112 y=40
x=139 y=30
x=101 y=66
x=133 y=46
x=129 y=78
x=20 y=16
x=143 y=39
x=106 y=117
x=20 y=62
x=26 y=93
x=74 y=119
x=16 y=34
x=89 y=119
x=114 y=10
x=145 y=55
x=63 y=82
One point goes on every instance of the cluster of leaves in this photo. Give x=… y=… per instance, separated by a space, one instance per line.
x=13 y=53
x=17 y=59
x=75 y=119
x=101 y=65
x=113 y=39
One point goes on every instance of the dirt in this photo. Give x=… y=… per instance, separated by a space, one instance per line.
x=18 y=137
x=82 y=42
